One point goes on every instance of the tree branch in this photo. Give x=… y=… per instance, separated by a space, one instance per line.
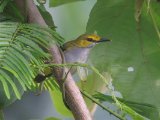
x=73 y=96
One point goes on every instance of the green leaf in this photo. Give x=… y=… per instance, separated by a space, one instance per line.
x=3 y=4
x=12 y=11
x=9 y=79
x=55 y=3
x=50 y=84
x=141 y=108
x=16 y=75
x=46 y=16
x=23 y=69
x=93 y=84
x=133 y=56
x=5 y=87
x=22 y=61
x=4 y=101
x=56 y=97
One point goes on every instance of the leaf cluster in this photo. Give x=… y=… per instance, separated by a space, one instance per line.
x=22 y=47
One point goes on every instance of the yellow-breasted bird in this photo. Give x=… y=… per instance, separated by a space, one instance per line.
x=76 y=51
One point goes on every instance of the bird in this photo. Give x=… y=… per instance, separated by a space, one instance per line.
x=75 y=51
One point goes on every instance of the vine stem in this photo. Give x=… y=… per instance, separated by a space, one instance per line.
x=102 y=106
x=73 y=95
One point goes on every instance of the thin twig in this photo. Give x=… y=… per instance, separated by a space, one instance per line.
x=102 y=106
x=63 y=65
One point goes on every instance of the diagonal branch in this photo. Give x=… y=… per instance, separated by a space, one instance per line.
x=73 y=96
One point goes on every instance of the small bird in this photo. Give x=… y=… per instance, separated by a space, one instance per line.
x=76 y=51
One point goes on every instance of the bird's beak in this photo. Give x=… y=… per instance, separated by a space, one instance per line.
x=104 y=40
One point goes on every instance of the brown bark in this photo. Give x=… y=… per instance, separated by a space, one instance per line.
x=73 y=96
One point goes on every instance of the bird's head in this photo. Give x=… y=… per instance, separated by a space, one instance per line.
x=89 y=40
x=85 y=41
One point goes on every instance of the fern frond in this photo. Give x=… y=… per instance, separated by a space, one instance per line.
x=22 y=46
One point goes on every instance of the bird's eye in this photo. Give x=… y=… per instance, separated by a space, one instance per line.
x=90 y=39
